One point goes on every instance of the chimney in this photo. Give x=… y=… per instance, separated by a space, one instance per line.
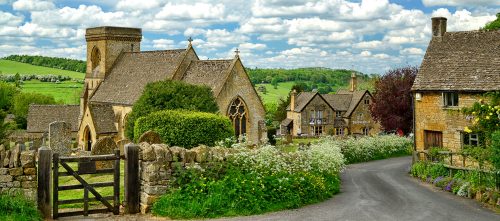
x=293 y=96
x=438 y=26
x=354 y=82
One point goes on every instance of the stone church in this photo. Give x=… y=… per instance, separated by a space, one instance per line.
x=118 y=71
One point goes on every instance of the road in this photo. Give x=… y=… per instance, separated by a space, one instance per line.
x=383 y=190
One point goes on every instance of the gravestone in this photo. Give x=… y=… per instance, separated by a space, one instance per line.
x=150 y=137
x=60 y=137
x=37 y=143
x=104 y=146
x=121 y=145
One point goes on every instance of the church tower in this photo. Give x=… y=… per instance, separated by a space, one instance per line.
x=104 y=46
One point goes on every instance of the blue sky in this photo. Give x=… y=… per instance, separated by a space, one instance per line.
x=371 y=36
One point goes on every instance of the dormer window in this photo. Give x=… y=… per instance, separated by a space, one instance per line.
x=450 y=99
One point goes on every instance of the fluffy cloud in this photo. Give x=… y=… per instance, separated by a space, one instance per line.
x=32 y=5
x=463 y=19
x=251 y=46
x=164 y=44
x=196 y=11
x=412 y=51
x=9 y=19
x=461 y=2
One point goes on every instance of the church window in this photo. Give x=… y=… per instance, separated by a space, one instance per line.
x=95 y=58
x=238 y=115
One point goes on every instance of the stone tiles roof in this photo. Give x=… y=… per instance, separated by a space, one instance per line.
x=340 y=102
x=302 y=100
x=211 y=73
x=286 y=122
x=103 y=117
x=132 y=71
x=40 y=116
x=461 y=61
x=357 y=96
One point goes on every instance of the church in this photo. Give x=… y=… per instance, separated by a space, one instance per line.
x=118 y=71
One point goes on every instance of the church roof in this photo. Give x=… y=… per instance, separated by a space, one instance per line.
x=40 y=116
x=461 y=61
x=132 y=71
x=103 y=118
x=211 y=73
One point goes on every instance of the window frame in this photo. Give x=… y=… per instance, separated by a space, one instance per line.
x=451 y=99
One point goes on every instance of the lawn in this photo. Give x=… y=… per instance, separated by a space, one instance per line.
x=67 y=91
x=273 y=95
x=13 y=67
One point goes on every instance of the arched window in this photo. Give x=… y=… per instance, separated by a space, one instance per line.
x=95 y=58
x=87 y=139
x=239 y=115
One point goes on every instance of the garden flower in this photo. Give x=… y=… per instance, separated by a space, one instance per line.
x=467 y=130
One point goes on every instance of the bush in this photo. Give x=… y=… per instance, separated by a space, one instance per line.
x=14 y=208
x=256 y=181
x=373 y=148
x=21 y=105
x=170 y=95
x=185 y=128
x=495 y=149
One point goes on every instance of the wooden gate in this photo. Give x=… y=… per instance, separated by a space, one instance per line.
x=86 y=165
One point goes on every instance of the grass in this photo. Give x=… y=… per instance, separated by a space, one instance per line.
x=90 y=178
x=14 y=208
x=13 y=67
x=67 y=91
x=273 y=95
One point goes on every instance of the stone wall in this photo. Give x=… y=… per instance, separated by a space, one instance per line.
x=18 y=172
x=158 y=162
x=361 y=118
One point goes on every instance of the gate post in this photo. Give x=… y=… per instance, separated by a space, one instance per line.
x=132 y=178
x=43 y=189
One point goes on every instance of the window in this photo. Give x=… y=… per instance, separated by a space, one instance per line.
x=316 y=117
x=238 y=115
x=339 y=131
x=470 y=139
x=317 y=130
x=367 y=101
x=450 y=99
x=338 y=114
x=366 y=131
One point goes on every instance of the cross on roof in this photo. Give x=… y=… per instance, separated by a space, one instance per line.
x=190 y=39
x=237 y=52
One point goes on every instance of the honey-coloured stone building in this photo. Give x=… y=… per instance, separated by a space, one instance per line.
x=458 y=67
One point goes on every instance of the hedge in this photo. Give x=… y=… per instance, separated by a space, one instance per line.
x=185 y=128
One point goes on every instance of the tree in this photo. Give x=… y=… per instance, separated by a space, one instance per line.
x=392 y=99
x=21 y=105
x=7 y=93
x=493 y=25
x=170 y=95
x=3 y=127
x=280 y=113
x=274 y=83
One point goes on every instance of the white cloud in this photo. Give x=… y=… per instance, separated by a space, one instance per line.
x=365 y=53
x=368 y=44
x=463 y=20
x=83 y=16
x=164 y=44
x=131 y=5
x=411 y=51
x=9 y=19
x=461 y=2
x=252 y=46
x=32 y=5
x=194 y=32
x=196 y=11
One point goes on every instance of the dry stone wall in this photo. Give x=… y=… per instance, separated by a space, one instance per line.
x=158 y=162
x=18 y=171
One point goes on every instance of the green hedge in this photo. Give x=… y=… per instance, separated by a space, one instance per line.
x=185 y=128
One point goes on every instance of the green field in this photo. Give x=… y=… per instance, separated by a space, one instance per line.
x=67 y=91
x=13 y=67
x=273 y=95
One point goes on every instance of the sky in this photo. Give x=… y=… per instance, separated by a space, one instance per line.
x=371 y=36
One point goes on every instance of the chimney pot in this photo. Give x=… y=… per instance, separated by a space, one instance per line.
x=293 y=96
x=438 y=26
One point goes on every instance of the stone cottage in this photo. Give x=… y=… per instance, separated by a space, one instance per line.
x=458 y=67
x=344 y=113
x=40 y=116
x=118 y=71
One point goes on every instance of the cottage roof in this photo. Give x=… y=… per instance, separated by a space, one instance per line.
x=340 y=102
x=211 y=73
x=103 y=117
x=302 y=100
x=40 y=116
x=286 y=122
x=132 y=71
x=461 y=61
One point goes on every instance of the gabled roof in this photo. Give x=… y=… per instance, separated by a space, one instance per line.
x=461 y=61
x=302 y=100
x=211 y=73
x=286 y=122
x=132 y=71
x=357 y=96
x=103 y=117
x=40 y=116
x=340 y=102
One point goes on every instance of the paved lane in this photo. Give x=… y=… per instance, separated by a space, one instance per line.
x=382 y=190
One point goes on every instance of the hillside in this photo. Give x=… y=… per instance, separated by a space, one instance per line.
x=13 y=67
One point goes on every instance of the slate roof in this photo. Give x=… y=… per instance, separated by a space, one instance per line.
x=132 y=71
x=340 y=102
x=461 y=61
x=211 y=73
x=302 y=100
x=40 y=116
x=286 y=122
x=357 y=96
x=103 y=117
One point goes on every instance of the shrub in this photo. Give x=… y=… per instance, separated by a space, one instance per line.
x=14 y=208
x=21 y=105
x=170 y=95
x=495 y=149
x=374 y=148
x=185 y=128
x=255 y=181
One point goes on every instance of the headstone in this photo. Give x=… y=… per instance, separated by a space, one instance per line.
x=104 y=146
x=121 y=144
x=37 y=143
x=150 y=137
x=60 y=138
x=14 y=156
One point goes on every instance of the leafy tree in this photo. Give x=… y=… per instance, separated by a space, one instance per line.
x=274 y=83
x=21 y=104
x=3 y=127
x=17 y=80
x=486 y=116
x=52 y=62
x=280 y=113
x=7 y=93
x=171 y=95
x=493 y=25
x=391 y=104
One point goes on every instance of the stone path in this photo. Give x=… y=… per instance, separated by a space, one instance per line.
x=378 y=190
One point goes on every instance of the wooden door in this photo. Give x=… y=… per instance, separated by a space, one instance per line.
x=433 y=139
